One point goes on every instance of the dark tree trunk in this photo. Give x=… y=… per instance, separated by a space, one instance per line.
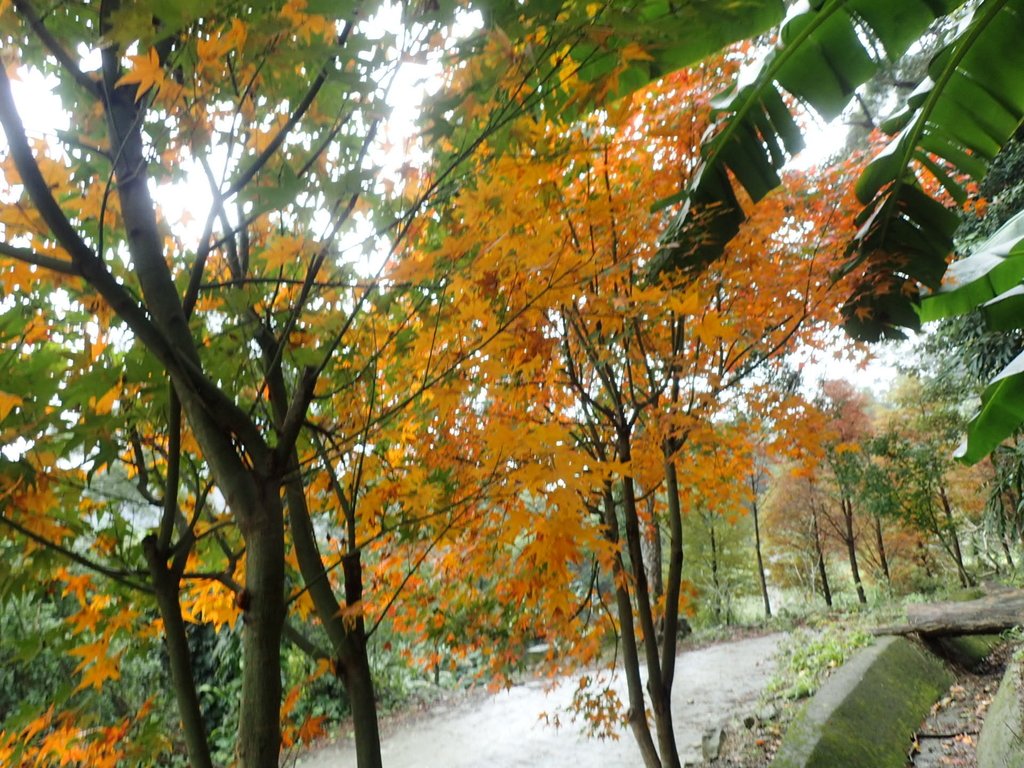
x=1004 y=541
x=880 y=546
x=356 y=669
x=954 y=539
x=762 y=578
x=165 y=587
x=661 y=699
x=822 y=572
x=851 y=549
x=714 y=573
x=637 y=714
x=675 y=573
x=259 y=732
x=653 y=553
x=347 y=635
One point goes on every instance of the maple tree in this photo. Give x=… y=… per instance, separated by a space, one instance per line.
x=601 y=397
x=277 y=108
x=245 y=375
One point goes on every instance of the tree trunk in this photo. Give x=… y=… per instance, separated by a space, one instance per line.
x=661 y=699
x=851 y=549
x=653 y=552
x=637 y=715
x=822 y=572
x=346 y=634
x=991 y=614
x=356 y=667
x=714 y=572
x=675 y=573
x=1004 y=541
x=165 y=587
x=259 y=732
x=880 y=546
x=965 y=579
x=762 y=578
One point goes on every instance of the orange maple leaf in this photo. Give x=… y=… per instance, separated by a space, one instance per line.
x=312 y=729
x=147 y=72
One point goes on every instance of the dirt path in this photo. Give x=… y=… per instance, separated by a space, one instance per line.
x=503 y=731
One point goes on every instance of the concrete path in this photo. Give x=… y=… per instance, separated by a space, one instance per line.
x=505 y=730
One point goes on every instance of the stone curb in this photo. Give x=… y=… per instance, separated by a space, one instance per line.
x=1001 y=742
x=865 y=714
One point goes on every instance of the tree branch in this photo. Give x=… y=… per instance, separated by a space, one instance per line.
x=56 y=49
x=119 y=576
x=28 y=256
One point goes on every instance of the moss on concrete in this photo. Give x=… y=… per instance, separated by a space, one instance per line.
x=864 y=715
x=967 y=651
x=1001 y=744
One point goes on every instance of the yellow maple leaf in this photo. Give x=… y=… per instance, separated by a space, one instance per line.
x=7 y=403
x=105 y=404
x=147 y=72
x=283 y=251
x=96 y=666
x=99 y=672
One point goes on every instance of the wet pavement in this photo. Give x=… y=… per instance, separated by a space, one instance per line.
x=508 y=729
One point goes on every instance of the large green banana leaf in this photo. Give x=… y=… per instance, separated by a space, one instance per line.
x=826 y=49
x=949 y=131
x=969 y=107
x=954 y=124
x=990 y=278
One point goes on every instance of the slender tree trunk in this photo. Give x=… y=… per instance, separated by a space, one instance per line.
x=653 y=552
x=1004 y=541
x=661 y=699
x=822 y=572
x=851 y=549
x=347 y=634
x=637 y=715
x=675 y=573
x=762 y=578
x=880 y=546
x=965 y=579
x=714 y=573
x=165 y=587
x=356 y=670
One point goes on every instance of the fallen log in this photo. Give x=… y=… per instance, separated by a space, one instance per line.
x=991 y=614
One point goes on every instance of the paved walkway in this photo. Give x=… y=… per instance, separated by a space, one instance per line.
x=505 y=730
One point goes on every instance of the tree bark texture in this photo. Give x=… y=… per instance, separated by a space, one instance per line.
x=883 y=560
x=851 y=548
x=993 y=613
x=165 y=587
x=762 y=578
x=637 y=715
x=822 y=572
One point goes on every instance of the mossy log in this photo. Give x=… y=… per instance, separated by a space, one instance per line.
x=993 y=613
